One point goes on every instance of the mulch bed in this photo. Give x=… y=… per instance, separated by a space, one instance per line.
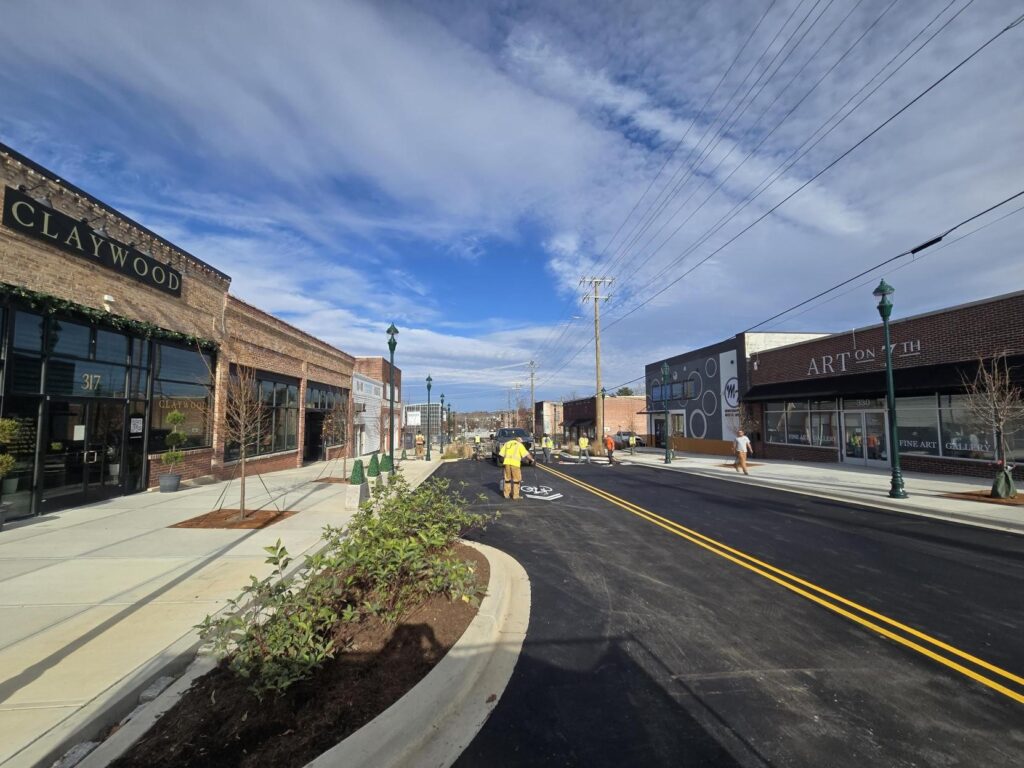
x=219 y=723
x=344 y=480
x=1016 y=501
x=231 y=518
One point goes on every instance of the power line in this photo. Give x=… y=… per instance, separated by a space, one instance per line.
x=768 y=135
x=817 y=175
x=801 y=151
x=910 y=252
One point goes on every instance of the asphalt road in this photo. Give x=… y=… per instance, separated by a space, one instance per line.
x=687 y=621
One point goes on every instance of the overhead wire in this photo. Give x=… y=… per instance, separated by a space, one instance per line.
x=821 y=172
x=910 y=251
x=803 y=149
x=768 y=135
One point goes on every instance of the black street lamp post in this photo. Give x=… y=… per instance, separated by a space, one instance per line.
x=664 y=402
x=883 y=292
x=441 y=425
x=429 y=382
x=392 y=343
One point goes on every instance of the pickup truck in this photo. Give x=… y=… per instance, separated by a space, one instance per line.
x=505 y=434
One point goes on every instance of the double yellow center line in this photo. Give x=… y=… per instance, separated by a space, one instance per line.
x=994 y=677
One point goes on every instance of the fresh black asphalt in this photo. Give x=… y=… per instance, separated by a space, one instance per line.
x=646 y=650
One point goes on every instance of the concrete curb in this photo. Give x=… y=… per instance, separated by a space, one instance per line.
x=416 y=730
x=437 y=719
x=893 y=507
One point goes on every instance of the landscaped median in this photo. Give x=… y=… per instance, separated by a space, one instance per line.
x=312 y=664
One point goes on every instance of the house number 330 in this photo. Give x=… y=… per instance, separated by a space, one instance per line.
x=91 y=381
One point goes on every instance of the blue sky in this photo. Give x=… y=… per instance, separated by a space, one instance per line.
x=456 y=167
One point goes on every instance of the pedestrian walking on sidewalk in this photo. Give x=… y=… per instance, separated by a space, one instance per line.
x=584 y=444
x=609 y=446
x=742 y=447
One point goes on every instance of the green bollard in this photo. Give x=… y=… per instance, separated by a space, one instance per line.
x=357 y=477
x=374 y=468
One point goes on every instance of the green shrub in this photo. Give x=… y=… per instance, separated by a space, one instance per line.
x=174 y=440
x=395 y=553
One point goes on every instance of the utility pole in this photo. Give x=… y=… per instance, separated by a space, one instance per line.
x=595 y=294
x=515 y=405
x=533 y=402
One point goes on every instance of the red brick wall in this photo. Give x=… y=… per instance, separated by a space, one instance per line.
x=961 y=334
x=196 y=464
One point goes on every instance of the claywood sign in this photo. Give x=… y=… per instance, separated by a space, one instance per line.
x=28 y=216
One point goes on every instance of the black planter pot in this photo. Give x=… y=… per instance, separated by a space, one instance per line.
x=169 y=483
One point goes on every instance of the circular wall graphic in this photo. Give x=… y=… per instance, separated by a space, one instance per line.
x=698 y=384
x=694 y=432
x=711 y=366
x=709 y=403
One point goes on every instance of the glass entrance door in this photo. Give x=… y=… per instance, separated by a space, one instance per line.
x=82 y=453
x=864 y=438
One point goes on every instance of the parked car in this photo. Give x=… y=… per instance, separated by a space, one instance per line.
x=505 y=434
x=622 y=440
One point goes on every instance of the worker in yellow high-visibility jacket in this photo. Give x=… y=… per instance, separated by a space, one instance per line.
x=584 y=443
x=547 y=445
x=513 y=453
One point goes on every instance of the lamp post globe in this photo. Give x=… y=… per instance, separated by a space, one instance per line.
x=392 y=343
x=896 y=489
x=429 y=382
x=665 y=371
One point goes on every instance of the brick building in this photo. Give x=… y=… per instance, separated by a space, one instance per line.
x=824 y=400
x=700 y=399
x=621 y=413
x=378 y=370
x=106 y=328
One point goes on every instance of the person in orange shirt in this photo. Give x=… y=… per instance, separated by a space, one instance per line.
x=609 y=446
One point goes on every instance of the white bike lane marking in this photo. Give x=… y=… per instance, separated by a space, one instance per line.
x=541 y=492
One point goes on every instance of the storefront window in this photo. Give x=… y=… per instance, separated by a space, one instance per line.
x=18 y=484
x=182 y=382
x=1013 y=434
x=28 y=332
x=277 y=424
x=962 y=436
x=824 y=428
x=775 y=422
x=917 y=425
x=84 y=378
x=111 y=347
x=798 y=423
x=678 y=425
x=69 y=339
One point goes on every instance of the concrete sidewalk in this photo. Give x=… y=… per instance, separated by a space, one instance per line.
x=99 y=600
x=859 y=485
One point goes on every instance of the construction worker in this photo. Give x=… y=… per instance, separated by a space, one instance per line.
x=584 y=444
x=632 y=444
x=512 y=453
x=421 y=443
x=476 y=448
x=609 y=447
x=547 y=444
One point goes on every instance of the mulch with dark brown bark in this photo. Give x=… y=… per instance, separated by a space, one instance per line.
x=232 y=518
x=986 y=496
x=219 y=723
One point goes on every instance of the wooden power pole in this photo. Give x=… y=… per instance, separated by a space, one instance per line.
x=595 y=294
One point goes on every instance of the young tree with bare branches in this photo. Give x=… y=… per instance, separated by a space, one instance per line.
x=337 y=427
x=997 y=405
x=245 y=416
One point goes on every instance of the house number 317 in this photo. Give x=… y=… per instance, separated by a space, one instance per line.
x=91 y=381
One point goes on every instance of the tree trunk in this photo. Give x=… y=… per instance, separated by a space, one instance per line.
x=241 y=502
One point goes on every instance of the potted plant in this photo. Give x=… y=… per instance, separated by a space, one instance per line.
x=173 y=456
x=8 y=429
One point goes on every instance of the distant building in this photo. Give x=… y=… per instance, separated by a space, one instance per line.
x=622 y=413
x=378 y=369
x=547 y=418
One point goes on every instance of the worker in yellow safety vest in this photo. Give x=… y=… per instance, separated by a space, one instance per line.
x=476 y=448
x=584 y=449
x=547 y=444
x=512 y=453
x=632 y=444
